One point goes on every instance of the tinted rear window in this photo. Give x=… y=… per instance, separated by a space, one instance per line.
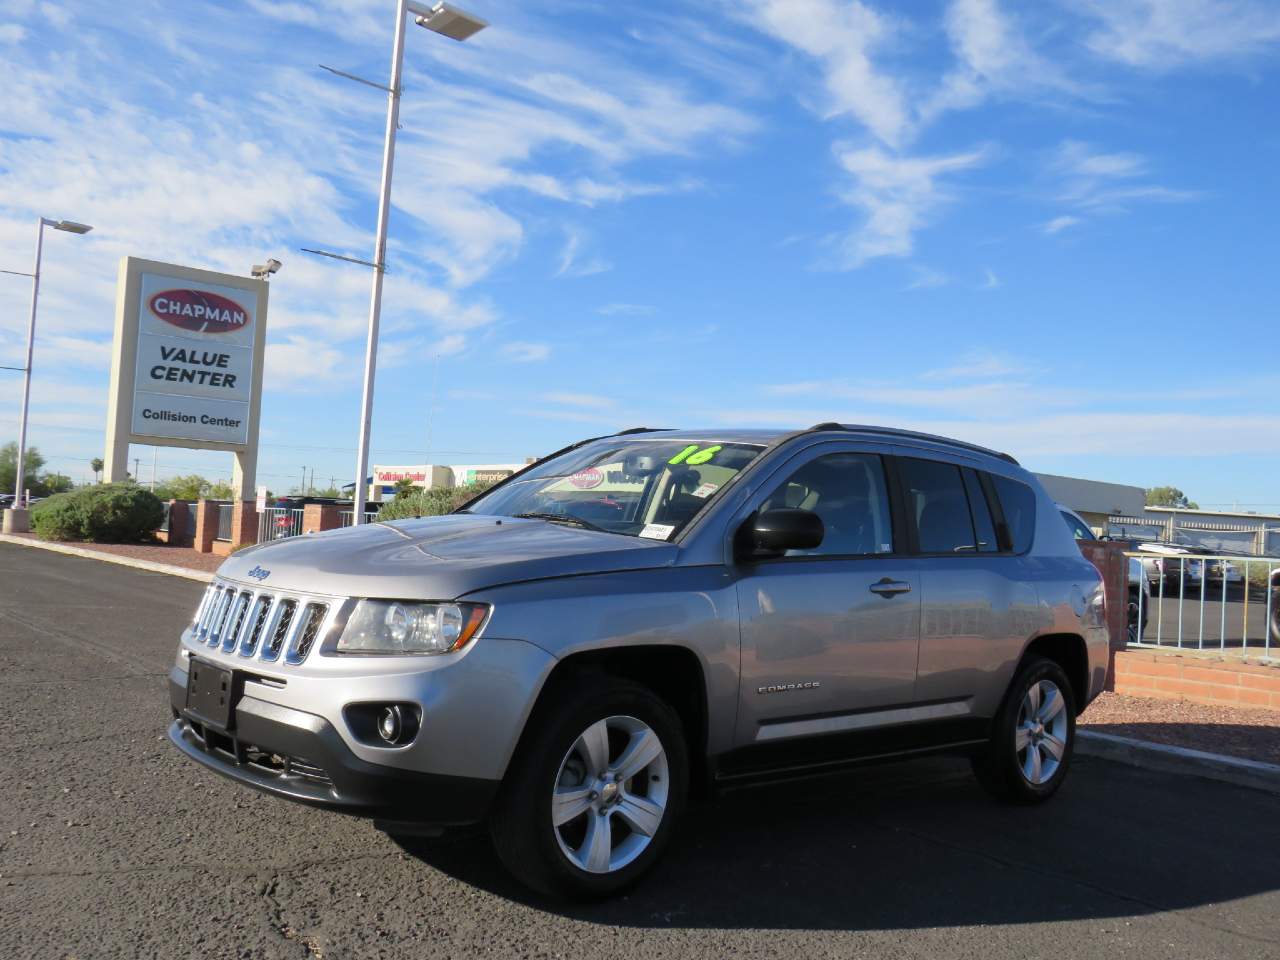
x=936 y=501
x=1018 y=501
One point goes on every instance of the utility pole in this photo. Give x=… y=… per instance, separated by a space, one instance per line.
x=302 y=486
x=135 y=468
x=154 y=451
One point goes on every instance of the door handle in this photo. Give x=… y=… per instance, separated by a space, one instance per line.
x=887 y=587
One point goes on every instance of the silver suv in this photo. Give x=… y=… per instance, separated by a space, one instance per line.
x=647 y=616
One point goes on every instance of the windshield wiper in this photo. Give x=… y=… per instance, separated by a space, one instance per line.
x=568 y=518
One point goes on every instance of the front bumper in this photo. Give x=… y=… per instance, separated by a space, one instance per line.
x=301 y=757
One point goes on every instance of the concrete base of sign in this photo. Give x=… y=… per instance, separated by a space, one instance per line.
x=16 y=520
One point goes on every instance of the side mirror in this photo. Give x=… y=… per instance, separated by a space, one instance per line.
x=774 y=532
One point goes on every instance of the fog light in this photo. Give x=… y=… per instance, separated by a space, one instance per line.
x=390 y=724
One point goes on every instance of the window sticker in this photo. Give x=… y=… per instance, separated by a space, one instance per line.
x=657 y=531
x=706 y=490
x=691 y=456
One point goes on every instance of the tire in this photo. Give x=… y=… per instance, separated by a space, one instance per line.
x=1006 y=770
x=555 y=760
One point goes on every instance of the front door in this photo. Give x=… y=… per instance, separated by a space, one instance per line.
x=830 y=636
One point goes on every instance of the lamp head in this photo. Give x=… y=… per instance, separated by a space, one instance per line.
x=452 y=22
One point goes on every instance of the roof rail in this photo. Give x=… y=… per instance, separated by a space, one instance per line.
x=623 y=433
x=911 y=434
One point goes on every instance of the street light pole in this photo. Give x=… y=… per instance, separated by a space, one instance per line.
x=448 y=20
x=69 y=226
x=379 y=263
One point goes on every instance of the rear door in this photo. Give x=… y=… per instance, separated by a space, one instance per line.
x=832 y=632
x=978 y=599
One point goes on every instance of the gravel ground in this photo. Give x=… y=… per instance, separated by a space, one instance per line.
x=1235 y=731
x=155 y=552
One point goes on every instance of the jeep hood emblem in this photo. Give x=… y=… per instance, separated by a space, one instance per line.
x=258 y=573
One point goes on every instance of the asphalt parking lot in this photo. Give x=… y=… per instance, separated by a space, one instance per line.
x=113 y=845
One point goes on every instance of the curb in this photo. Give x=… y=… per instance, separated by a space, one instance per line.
x=1167 y=759
x=150 y=565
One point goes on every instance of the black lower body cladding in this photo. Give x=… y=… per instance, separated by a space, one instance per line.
x=301 y=757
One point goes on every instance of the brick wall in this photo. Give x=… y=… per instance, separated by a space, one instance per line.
x=1219 y=682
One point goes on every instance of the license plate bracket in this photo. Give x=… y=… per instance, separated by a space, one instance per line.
x=211 y=693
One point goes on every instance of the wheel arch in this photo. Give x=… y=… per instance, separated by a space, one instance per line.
x=1069 y=651
x=673 y=672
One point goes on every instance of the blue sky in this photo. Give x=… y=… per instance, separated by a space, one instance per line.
x=1046 y=227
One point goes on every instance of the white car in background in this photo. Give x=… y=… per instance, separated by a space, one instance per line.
x=1172 y=564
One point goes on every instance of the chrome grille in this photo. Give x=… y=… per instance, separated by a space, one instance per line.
x=284 y=620
x=260 y=624
x=312 y=619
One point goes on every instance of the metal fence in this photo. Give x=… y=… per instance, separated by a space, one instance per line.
x=278 y=523
x=224 y=521
x=1221 y=602
x=348 y=516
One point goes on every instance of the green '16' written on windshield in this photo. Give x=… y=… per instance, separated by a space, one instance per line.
x=693 y=455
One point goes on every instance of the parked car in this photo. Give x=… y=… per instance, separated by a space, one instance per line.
x=647 y=615
x=1138 y=586
x=1172 y=564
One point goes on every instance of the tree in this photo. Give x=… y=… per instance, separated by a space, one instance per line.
x=1170 y=497
x=9 y=469
x=220 y=490
x=97 y=465
x=52 y=483
x=189 y=487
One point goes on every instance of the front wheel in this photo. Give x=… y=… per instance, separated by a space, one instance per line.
x=595 y=792
x=1032 y=738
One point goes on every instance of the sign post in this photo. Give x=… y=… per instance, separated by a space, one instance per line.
x=186 y=367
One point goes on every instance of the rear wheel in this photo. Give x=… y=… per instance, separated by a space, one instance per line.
x=1032 y=738
x=593 y=797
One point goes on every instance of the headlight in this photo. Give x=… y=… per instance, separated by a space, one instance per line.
x=394 y=627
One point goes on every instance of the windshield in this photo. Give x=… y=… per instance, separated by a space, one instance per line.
x=639 y=488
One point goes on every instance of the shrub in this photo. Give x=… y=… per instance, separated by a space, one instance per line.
x=432 y=502
x=110 y=513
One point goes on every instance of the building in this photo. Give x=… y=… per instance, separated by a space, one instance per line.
x=1221 y=531
x=382 y=484
x=1095 y=500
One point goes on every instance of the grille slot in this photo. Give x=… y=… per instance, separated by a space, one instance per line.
x=257 y=623
x=212 y=598
x=312 y=619
x=220 y=616
x=284 y=620
x=236 y=620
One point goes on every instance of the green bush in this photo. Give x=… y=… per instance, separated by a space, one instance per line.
x=432 y=502
x=109 y=513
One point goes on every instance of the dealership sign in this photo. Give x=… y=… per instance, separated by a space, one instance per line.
x=187 y=365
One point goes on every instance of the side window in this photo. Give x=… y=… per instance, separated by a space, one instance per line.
x=983 y=525
x=847 y=490
x=937 y=503
x=1078 y=529
x=1018 y=502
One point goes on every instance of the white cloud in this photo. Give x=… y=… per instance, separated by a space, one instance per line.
x=1165 y=34
x=842 y=37
x=993 y=58
x=990 y=281
x=1106 y=182
x=978 y=365
x=624 y=310
x=896 y=195
x=572 y=265
x=12 y=33
x=927 y=278
x=1058 y=224
x=588 y=400
x=520 y=351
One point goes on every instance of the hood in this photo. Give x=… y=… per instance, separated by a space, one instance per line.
x=440 y=558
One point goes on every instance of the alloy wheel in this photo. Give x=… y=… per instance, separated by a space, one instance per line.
x=1040 y=739
x=610 y=794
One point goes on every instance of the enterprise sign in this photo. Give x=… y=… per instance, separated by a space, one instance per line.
x=193 y=376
